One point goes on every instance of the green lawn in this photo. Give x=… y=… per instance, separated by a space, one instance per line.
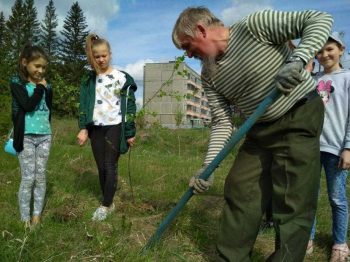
x=160 y=166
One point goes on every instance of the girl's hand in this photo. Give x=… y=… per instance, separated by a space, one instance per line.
x=82 y=137
x=42 y=81
x=131 y=141
x=344 y=161
x=310 y=66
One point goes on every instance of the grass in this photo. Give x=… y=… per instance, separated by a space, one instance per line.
x=160 y=167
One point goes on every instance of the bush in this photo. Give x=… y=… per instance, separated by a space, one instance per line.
x=5 y=114
x=65 y=97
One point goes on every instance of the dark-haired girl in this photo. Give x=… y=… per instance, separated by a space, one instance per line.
x=31 y=114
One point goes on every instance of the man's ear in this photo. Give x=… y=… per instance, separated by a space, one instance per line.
x=202 y=30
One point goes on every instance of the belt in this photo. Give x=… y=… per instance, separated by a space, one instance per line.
x=307 y=98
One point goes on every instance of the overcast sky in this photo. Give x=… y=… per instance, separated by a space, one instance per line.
x=139 y=31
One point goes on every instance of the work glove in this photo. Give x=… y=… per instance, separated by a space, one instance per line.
x=200 y=185
x=289 y=76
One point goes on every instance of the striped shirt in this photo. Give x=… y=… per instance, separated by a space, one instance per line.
x=257 y=48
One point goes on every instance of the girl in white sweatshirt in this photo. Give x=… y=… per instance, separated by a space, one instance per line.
x=334 y=88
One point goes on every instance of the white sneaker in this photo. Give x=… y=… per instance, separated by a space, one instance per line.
x=310 y=247
x=340 y=253
x=102 y=212
x=111 y=208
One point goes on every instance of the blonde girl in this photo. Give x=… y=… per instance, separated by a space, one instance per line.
x=106 y=116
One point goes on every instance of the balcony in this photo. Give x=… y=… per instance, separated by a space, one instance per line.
x=192 y=113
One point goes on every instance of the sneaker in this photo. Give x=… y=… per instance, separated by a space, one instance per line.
x=310 y=247
x=102 y=212
x=340 y=253
x=111 y=208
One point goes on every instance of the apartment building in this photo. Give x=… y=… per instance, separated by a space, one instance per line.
x=181 y=100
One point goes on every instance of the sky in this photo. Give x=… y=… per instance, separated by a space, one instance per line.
x=139 y=31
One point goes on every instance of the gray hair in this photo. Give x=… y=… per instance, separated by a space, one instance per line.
x=189 y=18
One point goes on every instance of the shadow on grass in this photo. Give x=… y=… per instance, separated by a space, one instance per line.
x=88 y=182
x=324 y=241
x=49 y=190
x=204 y=224
x=71 y=210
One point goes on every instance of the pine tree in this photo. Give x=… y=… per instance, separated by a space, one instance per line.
x=31 y=24
x=14 y=39
x=4 y=69
x=2 y=30
x=72 y=52
x=49 y=40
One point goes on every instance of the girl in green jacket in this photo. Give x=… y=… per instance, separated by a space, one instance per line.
x=106 y=116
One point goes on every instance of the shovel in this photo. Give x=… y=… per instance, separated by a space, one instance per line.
x=235 y=138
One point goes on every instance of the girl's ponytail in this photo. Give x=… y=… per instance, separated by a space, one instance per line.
x=89 y=55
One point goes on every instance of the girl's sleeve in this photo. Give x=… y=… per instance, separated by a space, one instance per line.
x=130 y=127
x=28 y=103
x=82 y=107
x=49 y=94
x=347 y=134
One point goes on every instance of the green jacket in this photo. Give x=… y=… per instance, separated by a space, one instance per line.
x=128 y=107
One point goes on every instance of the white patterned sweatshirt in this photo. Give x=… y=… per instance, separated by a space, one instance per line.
x=334 y=89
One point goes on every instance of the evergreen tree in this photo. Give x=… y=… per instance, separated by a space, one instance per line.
x=4 y=70
x=49 y=40
x=72 y=51
x=31 y=24
x=2 y=30
x=14 y=39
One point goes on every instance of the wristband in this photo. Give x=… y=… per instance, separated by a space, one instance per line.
x=295 y=59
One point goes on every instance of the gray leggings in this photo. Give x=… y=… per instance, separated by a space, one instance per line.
x=33 y=161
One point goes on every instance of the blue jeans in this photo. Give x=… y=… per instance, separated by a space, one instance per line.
x=336 y=186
